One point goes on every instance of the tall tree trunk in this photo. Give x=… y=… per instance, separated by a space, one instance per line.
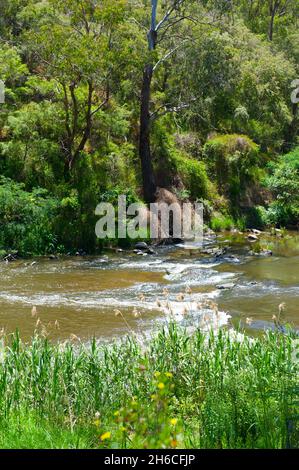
x=274 y=6
x=148 y=178
x=271 y=26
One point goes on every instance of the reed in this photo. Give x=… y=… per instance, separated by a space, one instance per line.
x=178 y=390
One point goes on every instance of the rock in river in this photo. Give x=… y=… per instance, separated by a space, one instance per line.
x=228 y=285
x=261 y=253
x=231 y=259
x=141 y=246
x=252 y=237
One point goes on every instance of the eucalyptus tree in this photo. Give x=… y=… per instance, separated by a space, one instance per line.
x=280 y=9
x=165 y=37
x=171 y=15
x=265 y=15
x=78 y=45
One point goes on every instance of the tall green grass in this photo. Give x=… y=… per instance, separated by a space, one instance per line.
x=179 y=390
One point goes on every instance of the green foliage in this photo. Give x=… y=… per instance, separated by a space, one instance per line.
x=68 y=223
x=30 y=149
x=257 y=16
x=220 y=105
x=25 y=219
x=149 y=426
x=116 y=166
x=256 y=217
x=26 y=430
x=283 y=182
x=232 y=160
x=176 y=167
x=241 y=85
x=13 y=72
x=198 y=391
x=193 y=174
x=112 y=196
x=220 y=222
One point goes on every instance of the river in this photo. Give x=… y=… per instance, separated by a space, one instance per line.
x=86 y=294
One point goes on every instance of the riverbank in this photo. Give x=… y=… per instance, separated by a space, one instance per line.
x=175 y=390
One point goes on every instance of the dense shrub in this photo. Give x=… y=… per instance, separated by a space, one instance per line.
x=193 y=174
x=231 y=160
x=220 y=222
x=283 y=182
x=176 y=165
x=26 y=219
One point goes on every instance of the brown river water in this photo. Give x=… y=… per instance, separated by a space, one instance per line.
x=82 y=294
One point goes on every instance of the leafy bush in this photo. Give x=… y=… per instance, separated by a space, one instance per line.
x=255 y=217
x=220 y=222
x=231 y=159
x=193 y=174
x=175 y=165
x=283 y=182
x=112 y=196
x=26 y=219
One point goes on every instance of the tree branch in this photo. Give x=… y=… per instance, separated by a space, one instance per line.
x=176 y=4
x=169 y=53
x=171 y=109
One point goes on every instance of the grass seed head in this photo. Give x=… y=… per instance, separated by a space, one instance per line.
x=33 y=311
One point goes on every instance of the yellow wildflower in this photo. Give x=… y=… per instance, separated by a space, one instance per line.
x=161 y=385
x=105 y=436
x=173 y=421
